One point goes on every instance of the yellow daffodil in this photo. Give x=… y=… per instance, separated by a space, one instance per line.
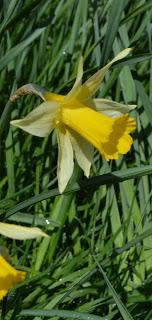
x=18 y=232
x=80 y=122
x=9 y=277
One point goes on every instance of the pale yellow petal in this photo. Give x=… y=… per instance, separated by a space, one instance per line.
x=65 y=158
x=92 y=84
x=20 y=233
x=83 y=151
x=112 y=108
x=9 y=277
x=39 y=122
x=77 y=85
x=29 y=88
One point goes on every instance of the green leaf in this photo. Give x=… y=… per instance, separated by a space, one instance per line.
x=60 y=313
x=136 y=12
x=124 y=312
x=116 y=11
x=109 y=178
x=12 y=53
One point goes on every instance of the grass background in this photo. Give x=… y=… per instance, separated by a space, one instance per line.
x=97 y=263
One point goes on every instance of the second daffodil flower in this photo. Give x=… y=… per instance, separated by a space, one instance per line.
x=9 y=277
x=81 y=122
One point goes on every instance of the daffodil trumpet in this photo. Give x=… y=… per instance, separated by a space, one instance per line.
x=81 y=122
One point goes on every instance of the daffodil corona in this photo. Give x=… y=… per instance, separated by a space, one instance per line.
x=9 y=277
x=81 y=122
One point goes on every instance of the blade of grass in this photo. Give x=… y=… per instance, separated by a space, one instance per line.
x=115 y=15
x=109 y=178
x=124 y=312
x=60 y=313
x=13 y=52
x=136 y=12
x=22 y=14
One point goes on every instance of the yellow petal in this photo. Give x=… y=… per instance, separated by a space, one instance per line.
x=93 y=83
x=83 y=151
x=65 y=158
x=112 y=108
x=9 y=277
x=39 y=122
x=49 y=96
x=20 y=233
x=101 y=131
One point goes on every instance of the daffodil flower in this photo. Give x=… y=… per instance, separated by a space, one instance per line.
x=18 y=232
x=9 y=277
x=81 y=122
